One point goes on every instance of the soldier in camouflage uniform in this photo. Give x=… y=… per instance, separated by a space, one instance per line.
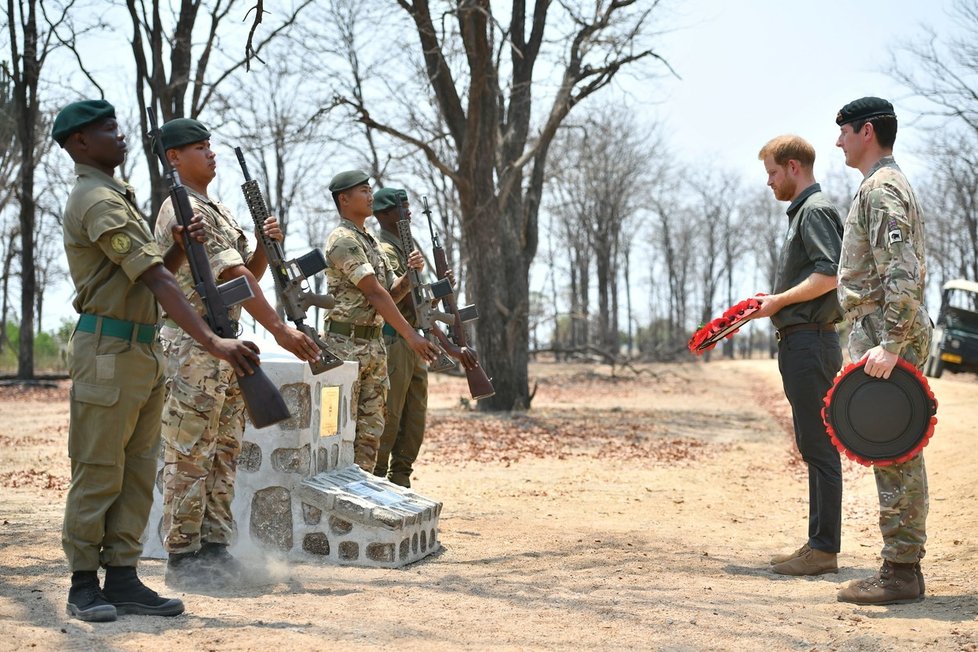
x=881 y=287
x=365 y=290
x=117 y=391
x=407 y=397
x=203 y=418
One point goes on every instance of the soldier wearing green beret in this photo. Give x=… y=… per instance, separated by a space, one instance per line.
x=407 y=397
x=881 y=288
x=365 y=288
x=114 y=359
x=203 y=419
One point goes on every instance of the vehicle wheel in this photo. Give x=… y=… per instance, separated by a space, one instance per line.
x=934 y=367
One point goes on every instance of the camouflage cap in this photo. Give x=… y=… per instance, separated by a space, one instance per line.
x=346 y=180
x=387 y=198
x=182 y=131
x=865 y=108
x=77 y=115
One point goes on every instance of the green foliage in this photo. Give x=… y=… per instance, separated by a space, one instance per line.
x=48 y=347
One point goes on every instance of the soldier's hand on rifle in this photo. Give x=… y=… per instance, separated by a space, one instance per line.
x=467 y=357
x=272 y=230
x=297 y=343
x=416 y=260
x=241 y=355
x=424 y=348
x=196 y=231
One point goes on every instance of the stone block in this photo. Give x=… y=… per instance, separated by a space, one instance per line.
x=309 y=501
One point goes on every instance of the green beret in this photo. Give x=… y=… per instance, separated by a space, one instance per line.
x=346 y=180
x=387 y=198
x=865 y=108
x=77 y=115
x=182 y=131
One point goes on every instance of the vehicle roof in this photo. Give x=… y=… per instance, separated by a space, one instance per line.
x=962 y=284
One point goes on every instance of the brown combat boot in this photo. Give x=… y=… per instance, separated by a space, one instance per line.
x=811 y=562
x=780 y=559
x=920 y=577
x=893 y=584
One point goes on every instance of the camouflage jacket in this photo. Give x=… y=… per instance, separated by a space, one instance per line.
x=226 y=243
x=354 y=254
x=882 y=266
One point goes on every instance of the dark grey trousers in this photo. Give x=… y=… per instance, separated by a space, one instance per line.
x=809 y=361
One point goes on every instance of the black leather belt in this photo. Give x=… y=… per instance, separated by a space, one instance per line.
x=788 y=330
x=354 y=330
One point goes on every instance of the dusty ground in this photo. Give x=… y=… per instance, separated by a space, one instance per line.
x=635 y=512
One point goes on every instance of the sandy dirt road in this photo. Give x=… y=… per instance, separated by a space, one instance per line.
x=629 y=512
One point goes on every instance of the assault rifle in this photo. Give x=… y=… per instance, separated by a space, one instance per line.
x=480 y=386
x=291 y=275
x=423 y=296
x=262 y=398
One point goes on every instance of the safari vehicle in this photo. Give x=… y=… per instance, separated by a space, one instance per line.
x=954 y=346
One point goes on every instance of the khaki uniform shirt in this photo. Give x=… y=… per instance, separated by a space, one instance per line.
x=390 y=244
x=882 y=260
x=354 y=254
x=109 y=246
x=226 y=243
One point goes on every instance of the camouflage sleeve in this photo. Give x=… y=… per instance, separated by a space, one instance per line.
x=346 y=254
x=164 y=223
x=220 y=245
x=890 y=231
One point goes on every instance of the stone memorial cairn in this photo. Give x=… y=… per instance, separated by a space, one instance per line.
x=298 y=492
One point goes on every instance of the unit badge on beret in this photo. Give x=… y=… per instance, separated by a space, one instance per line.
x=120 y=243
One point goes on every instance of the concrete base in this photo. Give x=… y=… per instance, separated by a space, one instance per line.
x=297 y=491
x=352 y=517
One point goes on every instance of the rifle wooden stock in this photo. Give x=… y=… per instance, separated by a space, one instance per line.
x=294 y=299
x=480 y=386
x=261 y=397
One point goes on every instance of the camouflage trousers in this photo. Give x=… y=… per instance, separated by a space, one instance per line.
x=203 y=420
x=369 y=393
x=902 y=488
x=407 y=406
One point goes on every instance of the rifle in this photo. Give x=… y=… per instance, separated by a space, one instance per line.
x=289 y=276
x=423 y=296
x=262 y=398
x=480 y=385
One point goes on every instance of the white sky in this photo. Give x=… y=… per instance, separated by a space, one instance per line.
x=753 y=69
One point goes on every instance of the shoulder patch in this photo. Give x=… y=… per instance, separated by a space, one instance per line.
x=120 y=243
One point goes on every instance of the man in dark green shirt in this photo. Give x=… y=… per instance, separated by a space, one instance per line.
x=804 y=308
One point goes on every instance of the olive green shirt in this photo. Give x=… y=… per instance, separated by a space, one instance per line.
x=812 y=246
x=390 y=244
x=353 y=255
x=109 y=245
x=226 y=244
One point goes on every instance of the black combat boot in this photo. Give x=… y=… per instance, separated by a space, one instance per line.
x=86 y=601
x=220 y=561
x=124 y=589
